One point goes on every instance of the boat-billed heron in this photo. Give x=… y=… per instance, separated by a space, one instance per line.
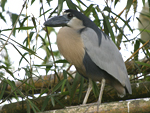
x=91 y=51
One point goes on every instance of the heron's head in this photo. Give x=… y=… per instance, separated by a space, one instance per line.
x=71 y=18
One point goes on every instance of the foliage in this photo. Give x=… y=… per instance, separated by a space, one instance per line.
x=53 y=63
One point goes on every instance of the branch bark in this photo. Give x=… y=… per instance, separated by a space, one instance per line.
x=140 y=90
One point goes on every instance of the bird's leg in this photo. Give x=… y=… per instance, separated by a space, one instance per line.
x=88 y=92
x=101 y=93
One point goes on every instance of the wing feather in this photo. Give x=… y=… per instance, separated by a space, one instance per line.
x=105 y=55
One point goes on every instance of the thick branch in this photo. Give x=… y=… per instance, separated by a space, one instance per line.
x=140 y=90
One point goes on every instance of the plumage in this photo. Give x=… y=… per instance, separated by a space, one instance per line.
x=106 y=56
x=93 y=53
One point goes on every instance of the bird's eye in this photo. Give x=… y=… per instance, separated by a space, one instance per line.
x=70 y=15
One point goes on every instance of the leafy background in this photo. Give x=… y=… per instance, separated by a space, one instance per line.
x=31 y=66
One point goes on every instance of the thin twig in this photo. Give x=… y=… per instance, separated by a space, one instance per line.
x=13 y=26
x=136 y=51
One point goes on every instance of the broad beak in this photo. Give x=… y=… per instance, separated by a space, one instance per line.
x=57 y=21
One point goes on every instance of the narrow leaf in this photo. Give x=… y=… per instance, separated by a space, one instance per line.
x=3 y=86
x=142 y=63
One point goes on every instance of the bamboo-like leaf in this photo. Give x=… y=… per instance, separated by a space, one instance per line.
x=68 y=87
x=88 y=10
x=74 y=86
x=2 y=17
x=142 y=63
x=34 y=23
x=23 y=56
x=45 y=12
x=119 y=39
x=109 y=28
x=30 y=37
x=120 y=30
x=116 y=1
x=95 y=89
x=3 y=88
x=125 y=22
x=7 y=70
x=19 y=28
x=81 y=88
x=58 y=86
x=3 y=2
x=13 y=87
x=32 y=1
x=71 y=5
x=53 y=101
x=81 y=3
x=45 y=102
x=62 y=87
x=65 y=74
x=22 y=23
x=59 y=102
x=129 y=3
x=60 y=6
x=34 y=107
x=61 y=61
x=28 y=106
x=45 y=91
x=136 y=47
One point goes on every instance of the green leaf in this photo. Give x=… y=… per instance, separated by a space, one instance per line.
x=81 y=88
x=52 y=100
x=32 y=1
x=2 y=17
x=119 y=39
x=45 y=91
x=75 y=85
x=7 y=70
x=142 y=63
x=28 y=106
x=109 y=28
x=34 y=23
x=45 y=102
x=24 y=19
x=19 y=28
x=61 y=61
x=71 y=5
x=116 y=1
x=34 y=107
x=136 y=47
x=3 y=2
x=125 y=22
x=65 y=74
x=62 y=105
x=62 y=87
x=3 y=88
x=129 y=3
x=13 y=87
x=88 y=10
x=14 y=18
x=95 y=89
x=68 y=87
x=23 y=56
x=58 y=86
x=60 y=6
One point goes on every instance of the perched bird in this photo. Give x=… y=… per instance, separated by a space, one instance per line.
x=91 y=51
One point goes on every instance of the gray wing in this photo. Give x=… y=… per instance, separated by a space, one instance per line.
x=105 y=55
